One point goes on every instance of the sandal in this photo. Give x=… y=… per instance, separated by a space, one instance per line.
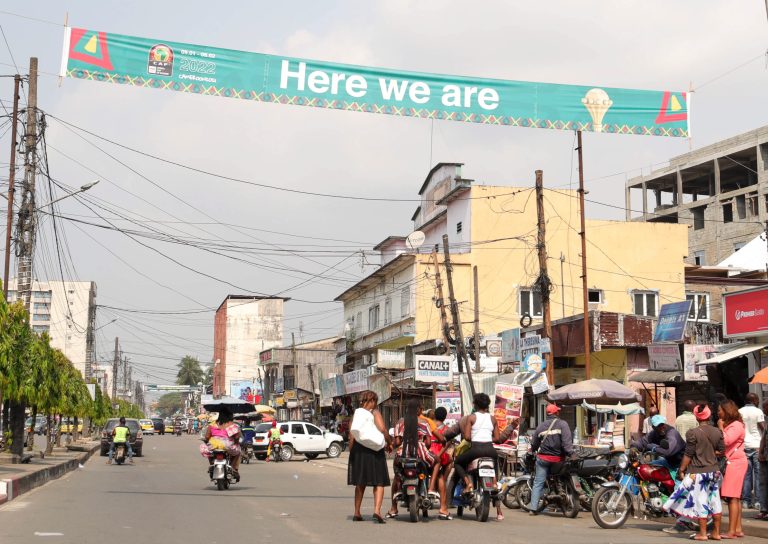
x=500 y=517
x=390 y=515
x=444 y=517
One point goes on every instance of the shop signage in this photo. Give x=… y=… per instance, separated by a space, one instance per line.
x=670 y=326
x=356 y=381
x=200 y=69
x=745 y=313
x=290 y=394
x=493 y=348
x=265 y=357
x=451 y=401
x=508 y=404
x=390 y=358
x=530 y=345
x=510 y=346
x=664 y=357
x=433 y=368
x=692 y=354
x=380 y=384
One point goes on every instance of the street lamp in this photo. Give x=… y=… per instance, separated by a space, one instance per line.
x=83 y=188
x=105 y=324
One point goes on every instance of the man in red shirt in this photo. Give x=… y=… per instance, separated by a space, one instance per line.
x=554 y=443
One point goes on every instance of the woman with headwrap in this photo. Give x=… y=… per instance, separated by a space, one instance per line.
x=697 y=496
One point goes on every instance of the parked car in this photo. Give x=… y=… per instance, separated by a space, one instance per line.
x=40 y=426
x=147 y=426
x=159 y=425
x=309 y=440
x=137 y=435
x=68 y=426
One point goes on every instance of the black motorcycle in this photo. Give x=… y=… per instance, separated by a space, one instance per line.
x=482 y=474
x=247 y=452
x=562 y=488
x=598 y=467
x=415 y=477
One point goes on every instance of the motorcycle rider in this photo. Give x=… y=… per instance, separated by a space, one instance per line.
x=247 y=432
x=482 y=430
x=663 y=440
x=553 y=442
x=223 y=434
x=274 y=438
x=121 y=435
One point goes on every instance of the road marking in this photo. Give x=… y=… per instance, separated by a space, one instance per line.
x=48 y=534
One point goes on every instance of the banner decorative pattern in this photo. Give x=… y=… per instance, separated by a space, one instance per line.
x=213 y=71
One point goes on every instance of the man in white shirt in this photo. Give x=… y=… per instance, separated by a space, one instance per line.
x=754 y=423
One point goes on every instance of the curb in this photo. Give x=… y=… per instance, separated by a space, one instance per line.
x=751 y=527
x=12 y=488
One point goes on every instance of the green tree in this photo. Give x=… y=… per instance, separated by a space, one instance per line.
x=169 y=404
x=190 y=372
x=15 y=340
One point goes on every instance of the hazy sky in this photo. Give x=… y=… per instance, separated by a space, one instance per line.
x=637 y=44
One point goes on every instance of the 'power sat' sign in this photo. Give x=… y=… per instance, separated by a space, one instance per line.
x=745 y=313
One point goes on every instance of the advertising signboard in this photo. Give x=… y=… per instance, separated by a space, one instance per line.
x=670 y=326
x=692 y=354
x=508 y=405
x=356 y=381
x=380 y=384
x=451 y=401
x=245 y=390
x=213 y=71
x=745 y=313
x=664 y=357
x=510 y=346
x=433 y=368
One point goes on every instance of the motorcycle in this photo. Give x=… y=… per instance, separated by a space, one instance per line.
x=597 y=468
x=415 y=476
x=277 y=452
x=482 y=473
x=177 y=429
x=640 y=487
x=120 y=453
x=247 y=452
x=220 y=471
x=562 y=487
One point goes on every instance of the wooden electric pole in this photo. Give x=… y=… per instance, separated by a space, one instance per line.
x=115 y=362
x=477 y=319
x=11 y=183
x=543 y=282
x=461 y=352
x=440 y=302
x=26 y=225
x=584 y=284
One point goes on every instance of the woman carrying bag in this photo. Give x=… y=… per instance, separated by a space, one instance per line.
x=367 y=456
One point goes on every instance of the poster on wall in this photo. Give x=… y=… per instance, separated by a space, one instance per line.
x=245 y=390
x=693 y=354
x=451 y=401
x=510 y=346
x=664 y=357
x=508 y=405
x=163 y=64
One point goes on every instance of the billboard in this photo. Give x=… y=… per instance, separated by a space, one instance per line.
x=664 y=357
x=745 y=313
x=163 y=64
x=246 y=390
x=508 y=405
x=670 y=326
x=433 y=368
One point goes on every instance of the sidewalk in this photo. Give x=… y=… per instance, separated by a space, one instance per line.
x=18 y=479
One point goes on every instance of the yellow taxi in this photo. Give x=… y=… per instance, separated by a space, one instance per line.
x=147 y=427
x=68 y=426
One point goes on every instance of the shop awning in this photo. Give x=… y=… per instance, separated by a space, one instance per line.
x=733 y=354
x=657 y=376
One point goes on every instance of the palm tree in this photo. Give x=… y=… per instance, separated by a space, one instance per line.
x=190 y=372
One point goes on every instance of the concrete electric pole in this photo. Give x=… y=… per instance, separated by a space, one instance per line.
x=11 y=183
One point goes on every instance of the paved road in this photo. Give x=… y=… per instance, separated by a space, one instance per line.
x=166 y=498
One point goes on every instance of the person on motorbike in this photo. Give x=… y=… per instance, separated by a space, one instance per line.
x=274 y=439
x=413 y=439
x=121 y=434
x=481 y=430
x=553 y=443
x=223 y=434
x=664 y=440
x=247 y=432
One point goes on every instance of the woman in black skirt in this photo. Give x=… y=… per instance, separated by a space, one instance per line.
x=366 y=466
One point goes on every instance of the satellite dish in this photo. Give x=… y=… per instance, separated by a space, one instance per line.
x=415 y=239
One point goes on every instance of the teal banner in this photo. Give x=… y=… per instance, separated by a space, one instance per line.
x=161 y=64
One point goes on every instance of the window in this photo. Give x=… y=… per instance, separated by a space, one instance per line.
x=699 y=258
x=297 y=428
x=373 y=317
x=738 y=245
x=698 y=217
x=700 y=308
x=41 y=317
x=728 y=213
x=741 y=206
x=359 y=322
x=645 y=303
x=530 y=303
x=289 y=377
x=595 y=296
x=405 y=302
x=283 y=428
x=752 y=206
x=40 y=329
x=41 y=306
x=458 y=227
x=311 y=429
x=388 y=311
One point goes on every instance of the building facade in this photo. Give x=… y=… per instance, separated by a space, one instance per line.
x=66 y=310
x=720 y=191
x=244 y=326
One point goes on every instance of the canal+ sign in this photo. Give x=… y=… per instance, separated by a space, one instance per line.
x=745 y=313
x=433 y=368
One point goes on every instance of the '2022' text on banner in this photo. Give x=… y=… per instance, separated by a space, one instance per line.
x=161 y=64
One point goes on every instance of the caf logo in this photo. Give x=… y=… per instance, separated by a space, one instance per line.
x=160 y=61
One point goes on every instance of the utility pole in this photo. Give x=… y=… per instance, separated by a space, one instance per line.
x=441 y=303
x=477 y=320
x=584 y=284
x=461 y=352
x=11 y=183
x=125 y=376
x=25 y=228
x=543 y=281
x=115 y=362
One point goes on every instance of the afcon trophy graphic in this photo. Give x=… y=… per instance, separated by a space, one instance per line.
x=597 y=103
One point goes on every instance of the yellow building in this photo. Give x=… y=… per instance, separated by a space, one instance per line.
x=633 y=267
